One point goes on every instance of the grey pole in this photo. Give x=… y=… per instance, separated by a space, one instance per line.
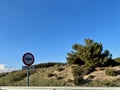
x=28 y=76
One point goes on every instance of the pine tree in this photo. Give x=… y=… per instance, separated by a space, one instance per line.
x=89 y=54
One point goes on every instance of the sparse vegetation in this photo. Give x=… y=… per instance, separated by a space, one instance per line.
x=51 y=75
x=49 y=64
x=58 y=78
x=13 y=77
x=110 y=72
x=69 y=80
x=79 y=80
x=3 y=74
x=81 y=70
x=38 y=77
x=117 y=60
x=91 y=77
x=104 y=83
x=60 y=69
x=17 y=76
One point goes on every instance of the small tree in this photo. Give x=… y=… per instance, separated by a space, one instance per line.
x=89 y=54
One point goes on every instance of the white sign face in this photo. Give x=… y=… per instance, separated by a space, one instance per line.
x=28 y=59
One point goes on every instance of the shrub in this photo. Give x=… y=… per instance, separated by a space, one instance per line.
x=58 y=78
x=3 y=74
x=76 y=71
x=117 y=60
x=69 y=80
x=81 y=70
x=104 y=83
x=53 y=82
x=49 y=64
x=51 y=75
x=18 y=76
x=60 y=69
x=98 y=83
x=78 y=81
x=91 y=77
x=110 y=72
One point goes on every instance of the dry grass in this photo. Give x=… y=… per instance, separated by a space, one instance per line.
x=60 y=77
x=40 y=77
x=100 y=74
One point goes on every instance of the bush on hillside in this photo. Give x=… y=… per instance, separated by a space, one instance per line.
x=78 y=81
x=51 y=75
x=110 y=72
x=91 y=77
x=112 y=63
x=82 y=70
x=19 y=75
x=69 y=80
x=59 y=78
x=46 y=65
x=3 y=74
x=60 y=69
x=100 y=83
x=117 y=60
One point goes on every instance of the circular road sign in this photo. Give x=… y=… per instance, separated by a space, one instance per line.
x=28 y=59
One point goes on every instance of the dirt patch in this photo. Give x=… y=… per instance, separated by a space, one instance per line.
x=69 y=74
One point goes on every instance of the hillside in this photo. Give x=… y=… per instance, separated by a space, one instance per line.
x=117 y=60
x=59 y=75
x=51 y=76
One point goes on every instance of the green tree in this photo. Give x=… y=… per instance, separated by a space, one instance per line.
x=89 y=54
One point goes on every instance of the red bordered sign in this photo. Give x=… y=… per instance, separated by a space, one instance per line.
x=28 y=59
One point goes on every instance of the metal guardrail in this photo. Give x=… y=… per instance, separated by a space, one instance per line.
x=59 y=88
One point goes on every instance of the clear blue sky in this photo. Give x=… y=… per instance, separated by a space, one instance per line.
x=48 y=28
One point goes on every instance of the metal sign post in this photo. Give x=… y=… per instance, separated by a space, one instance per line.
x=28 y=76
x=28 y=60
